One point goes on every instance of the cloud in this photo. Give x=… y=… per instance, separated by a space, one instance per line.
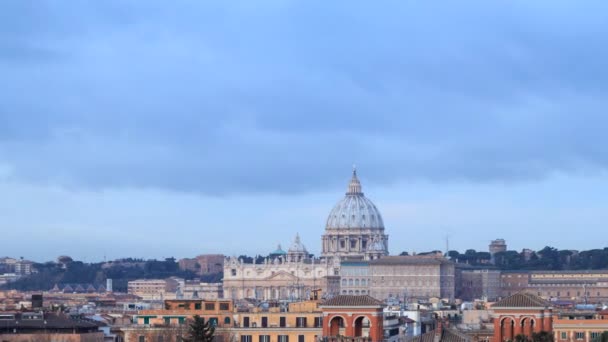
x=221 y=98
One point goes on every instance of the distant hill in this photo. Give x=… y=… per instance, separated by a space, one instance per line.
x=120 y=271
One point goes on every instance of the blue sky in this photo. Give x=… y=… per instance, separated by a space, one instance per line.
x=154 y=129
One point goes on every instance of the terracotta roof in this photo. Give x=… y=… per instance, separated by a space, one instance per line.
x=450 y=335
x=522 y=300
x=350 y=300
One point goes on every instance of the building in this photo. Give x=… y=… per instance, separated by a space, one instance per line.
x=579 y=326
x=353 y=317
x=521 y=314
x=155 y=289
x=355 y=278
x=354 y=228
x=203 y=264
x=574 y=286
x=290 y=276
x=479 y=284
x=38 y=326
x=497 y=246
x=411 y=277
x=199 y=290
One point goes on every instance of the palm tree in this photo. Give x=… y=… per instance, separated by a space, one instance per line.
x=199 y=330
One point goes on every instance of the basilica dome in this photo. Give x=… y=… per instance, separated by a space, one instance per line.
x=354 y=210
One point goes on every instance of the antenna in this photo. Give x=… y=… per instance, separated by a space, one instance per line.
x=447 y=244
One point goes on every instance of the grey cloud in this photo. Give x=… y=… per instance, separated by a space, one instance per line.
x=217 y=99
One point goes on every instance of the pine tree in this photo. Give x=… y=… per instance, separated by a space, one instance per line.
x=199 y=330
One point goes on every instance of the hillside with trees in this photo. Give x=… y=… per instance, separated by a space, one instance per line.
x=548 y=258
x=120 y=271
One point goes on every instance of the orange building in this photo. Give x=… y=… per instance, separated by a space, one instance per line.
x=356 y=317
x=579 y=326
x=521 y=314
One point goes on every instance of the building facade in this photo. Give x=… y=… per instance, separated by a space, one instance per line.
x=289 y=277
x=411 y=277
x=156 y=289
x=478 y=284
x=574 y=286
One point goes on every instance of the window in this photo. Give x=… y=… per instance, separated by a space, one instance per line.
x=245 y=338
x=318 y=322
x=564 y=335
x=300 y=338
x=282 y=322
x=197 y=306
x=246 y=322
x=213 y=321
x=342 y=244
x=224 y=306
x=209 y=306
x=264 y=322
x=283 y=338
x=160 y=338
x=579 y=335
x=594 y=335
x=300 y=322
x=142 y=338
x=353 y=243
x=343 y=282
x=167 y=320
x=264 y=338
x=233 y=273
x=227 y=320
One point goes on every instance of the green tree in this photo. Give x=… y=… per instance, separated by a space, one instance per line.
x=521 y=338
x=542 y=336
x=602 y=338
x=199 y=330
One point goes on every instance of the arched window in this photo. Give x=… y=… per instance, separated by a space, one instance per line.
x=227 y=320
x=356 y=282
x=343 y=282
x=350 y=282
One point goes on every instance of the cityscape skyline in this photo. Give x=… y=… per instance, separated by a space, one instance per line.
x=138 y=130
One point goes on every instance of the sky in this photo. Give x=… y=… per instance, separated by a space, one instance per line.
x=154 y=129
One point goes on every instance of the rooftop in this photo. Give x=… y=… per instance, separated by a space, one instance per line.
x=350 y=300
x=522 y=300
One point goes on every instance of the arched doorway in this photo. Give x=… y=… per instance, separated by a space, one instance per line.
x=527 y=326
x=336 y=326
x=507 y=326
x=361 y=326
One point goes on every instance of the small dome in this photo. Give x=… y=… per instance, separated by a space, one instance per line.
x=278 y=251
x=354 y=210
x=297 y=246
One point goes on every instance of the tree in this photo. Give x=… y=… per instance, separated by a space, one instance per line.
x=602 y=338
x=199 y=330
x=542 y=336
x=521 y=338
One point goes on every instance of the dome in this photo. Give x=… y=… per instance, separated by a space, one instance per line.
x=278 y=251
x=297 y=246
x=354 y=210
